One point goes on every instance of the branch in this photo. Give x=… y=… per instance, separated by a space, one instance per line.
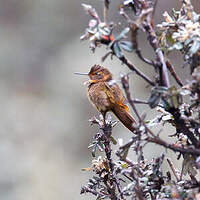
x=174 y=148
x=173 y=169
x=173 y=73
x=181 y=126
x=156 y=139
x=137 y=71
x=106 y=7
x=86 y=189
x=125 y=84
x=152 y=38
x=138 y=52
x=107 y=130
x=146 y=18
x=112 y=182
x=134 y=30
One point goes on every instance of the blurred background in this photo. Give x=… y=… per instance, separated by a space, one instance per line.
x=44 y=126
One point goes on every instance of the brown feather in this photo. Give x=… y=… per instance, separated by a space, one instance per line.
x=125 y=117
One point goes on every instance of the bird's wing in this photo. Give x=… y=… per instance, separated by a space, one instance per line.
x=115 y=95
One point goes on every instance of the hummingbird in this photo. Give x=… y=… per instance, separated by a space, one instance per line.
x=106 y=95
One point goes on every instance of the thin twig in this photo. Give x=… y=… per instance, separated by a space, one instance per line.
x=147 y=18
x=134 y=29
x=107 y=129
x=173 y=169
x=173 y=73
x=174 y=148
x=125 y=84
x=122 y=13
x=138 y=52
x=139 y=101
x=154 y=8
x=152 y=38
x=137 y=71
x=89 y=190
x=106 y=6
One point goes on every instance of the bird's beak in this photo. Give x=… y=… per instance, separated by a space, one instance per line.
x=80 y=73
x=88 y=82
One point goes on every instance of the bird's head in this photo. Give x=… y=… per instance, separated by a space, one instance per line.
x=99 y=74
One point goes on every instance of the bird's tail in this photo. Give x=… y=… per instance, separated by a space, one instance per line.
x=123 y=114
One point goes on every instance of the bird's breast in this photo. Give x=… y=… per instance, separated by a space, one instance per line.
x=98 y=96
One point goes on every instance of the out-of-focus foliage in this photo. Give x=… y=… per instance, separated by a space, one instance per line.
x=181 y=31
x=99 y=33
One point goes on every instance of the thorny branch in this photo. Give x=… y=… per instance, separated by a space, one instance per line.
x=112 y=183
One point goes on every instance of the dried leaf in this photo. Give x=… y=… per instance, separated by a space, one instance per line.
x=125 y=153
x=134 y=32
x=175 y=97
x=113 y=140
x=86 y=169
x=167 y=17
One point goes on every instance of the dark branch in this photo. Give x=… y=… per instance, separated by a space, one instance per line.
x=170 y=67
x=138 y=52
x=174 y=148
x=152 y=38
x=137 y=71
x=156 y=139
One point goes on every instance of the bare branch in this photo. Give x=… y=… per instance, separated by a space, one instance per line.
x=173 y=73
x=174 y=148
x=138 y=52
x=137 y=71
x=173 y=169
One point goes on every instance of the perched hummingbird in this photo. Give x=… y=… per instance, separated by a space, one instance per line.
x=106 y=95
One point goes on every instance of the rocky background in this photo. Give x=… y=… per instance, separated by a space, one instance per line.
x=44 y=128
